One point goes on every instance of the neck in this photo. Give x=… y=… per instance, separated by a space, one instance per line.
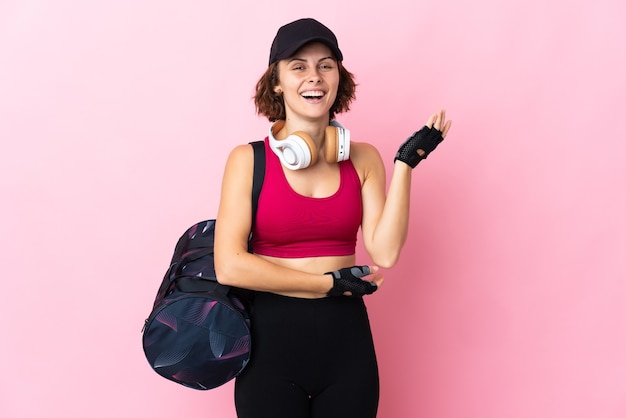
x=315 y=129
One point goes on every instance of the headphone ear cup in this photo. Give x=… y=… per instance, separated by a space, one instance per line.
x=337 y=144
x=296 y=151
x=308 y=143
x=330 y=145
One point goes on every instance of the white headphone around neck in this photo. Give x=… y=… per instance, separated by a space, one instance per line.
x=299 y=151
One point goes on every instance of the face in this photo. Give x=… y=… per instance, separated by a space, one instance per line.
x=308 y=82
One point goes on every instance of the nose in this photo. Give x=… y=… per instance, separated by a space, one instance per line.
x=314 y=76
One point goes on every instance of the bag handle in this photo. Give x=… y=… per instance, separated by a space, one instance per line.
x=257 y=182
x=258 y=176
x=192 y=284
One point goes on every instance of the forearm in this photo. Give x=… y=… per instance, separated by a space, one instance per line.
x=248 y=271
x=392 y=227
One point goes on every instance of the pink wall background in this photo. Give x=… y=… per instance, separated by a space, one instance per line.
x=116 y=119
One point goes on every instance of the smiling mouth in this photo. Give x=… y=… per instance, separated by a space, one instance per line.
x=313 y=95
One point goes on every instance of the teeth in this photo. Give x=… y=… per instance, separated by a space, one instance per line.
x=312 y=94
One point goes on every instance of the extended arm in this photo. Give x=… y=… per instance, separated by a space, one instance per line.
x=386 y=217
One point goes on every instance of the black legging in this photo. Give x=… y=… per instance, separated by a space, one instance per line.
x=311 y=358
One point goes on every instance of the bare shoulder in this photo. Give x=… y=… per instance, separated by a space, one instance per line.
x=240 y=161
x=366 y=159
x=241 y=154
x=363 y=150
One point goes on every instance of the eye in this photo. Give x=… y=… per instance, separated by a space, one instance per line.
x=297 y=67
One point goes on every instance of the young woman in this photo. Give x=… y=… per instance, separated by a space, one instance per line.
x=313 y=354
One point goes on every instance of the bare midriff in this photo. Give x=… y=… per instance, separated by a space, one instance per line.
x=313 y=265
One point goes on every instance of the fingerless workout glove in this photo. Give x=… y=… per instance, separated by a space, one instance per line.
x=425 y=139
x=349 y=280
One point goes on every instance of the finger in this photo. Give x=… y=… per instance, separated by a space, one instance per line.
x=374 y=276
x=441 y=117
x=446 y=128
x=360 y=271
x=431 y=120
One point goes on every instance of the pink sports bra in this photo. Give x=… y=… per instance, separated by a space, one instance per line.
x=290 y=225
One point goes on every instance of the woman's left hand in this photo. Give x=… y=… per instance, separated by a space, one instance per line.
x=438 y=121
x=424 y=141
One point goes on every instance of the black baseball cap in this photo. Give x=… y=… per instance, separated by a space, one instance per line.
x=295 y=35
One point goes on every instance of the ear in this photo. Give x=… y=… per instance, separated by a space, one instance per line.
x=278 y=90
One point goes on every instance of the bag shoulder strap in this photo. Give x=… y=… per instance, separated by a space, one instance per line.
x=258 y=176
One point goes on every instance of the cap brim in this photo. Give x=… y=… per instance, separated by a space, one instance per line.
x=294 y=48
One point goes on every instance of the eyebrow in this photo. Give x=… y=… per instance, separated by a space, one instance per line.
x=320 y=60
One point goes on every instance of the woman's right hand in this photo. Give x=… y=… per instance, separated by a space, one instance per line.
x=355 y=281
